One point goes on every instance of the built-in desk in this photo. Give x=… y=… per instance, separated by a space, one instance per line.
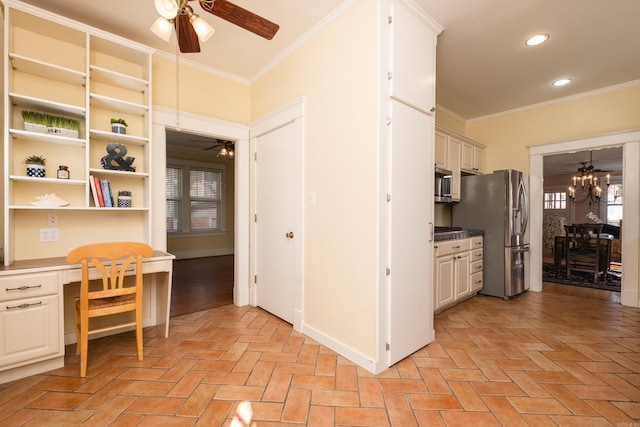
x=32 y=310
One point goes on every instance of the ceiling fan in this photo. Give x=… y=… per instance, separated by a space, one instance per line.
x=590 y=169
x=225 y=148
x=191 y=29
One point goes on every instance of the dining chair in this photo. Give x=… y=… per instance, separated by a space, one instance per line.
x=111 y=283
x=584 y=250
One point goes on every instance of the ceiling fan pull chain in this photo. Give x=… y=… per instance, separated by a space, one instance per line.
x=177 y=77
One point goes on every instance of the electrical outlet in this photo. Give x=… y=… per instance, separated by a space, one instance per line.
x=49 y=235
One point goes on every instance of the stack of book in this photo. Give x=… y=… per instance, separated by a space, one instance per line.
x=101 y=191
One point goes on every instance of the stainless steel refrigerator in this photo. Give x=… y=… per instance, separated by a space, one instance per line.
x=498 y=204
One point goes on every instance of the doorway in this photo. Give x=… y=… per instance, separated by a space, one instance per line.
x=596 y=198
x=630 y=143
x=238 y=221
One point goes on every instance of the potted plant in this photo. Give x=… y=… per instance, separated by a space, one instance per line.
x=35 y=121
x=119 y=126
x=35 y=166
x=124 y=199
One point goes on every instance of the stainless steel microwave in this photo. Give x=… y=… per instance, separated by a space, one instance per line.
x=442 y=190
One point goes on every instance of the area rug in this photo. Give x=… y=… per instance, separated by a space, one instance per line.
x=582 y=279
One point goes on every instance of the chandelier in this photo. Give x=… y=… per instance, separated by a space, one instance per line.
x=585 y=187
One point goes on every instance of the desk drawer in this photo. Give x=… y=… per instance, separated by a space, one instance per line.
x=28 y=285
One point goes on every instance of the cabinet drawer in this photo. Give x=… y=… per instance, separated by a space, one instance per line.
x=476 y=267
x=476 y=242
x=452 y=247
x=477 y=255
x=28 y=285
x=476 y=281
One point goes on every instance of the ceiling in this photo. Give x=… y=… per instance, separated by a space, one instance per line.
x=483 y=66
x=606 y=160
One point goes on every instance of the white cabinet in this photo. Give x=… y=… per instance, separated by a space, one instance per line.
x=413 y=53
x=82 y=79
x=30 y=319
x=448 y=155
x=454 y=152
x=472 y=158
x=451 y=271
x=441 y=151
x=408 y=93
x=477 y=264
x=458 y=270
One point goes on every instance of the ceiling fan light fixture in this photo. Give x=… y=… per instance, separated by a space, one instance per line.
x=168 y=9
x=202 y=28
x=162 y=28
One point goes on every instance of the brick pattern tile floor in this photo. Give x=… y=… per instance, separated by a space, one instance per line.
x=541 y=359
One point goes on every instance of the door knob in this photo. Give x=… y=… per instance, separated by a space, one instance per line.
x=289 y=235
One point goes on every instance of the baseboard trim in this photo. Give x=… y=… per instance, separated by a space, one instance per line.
x=356 y=357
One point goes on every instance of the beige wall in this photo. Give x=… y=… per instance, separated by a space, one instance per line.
x=200 y=92
x=336 y=72
x=508 y=137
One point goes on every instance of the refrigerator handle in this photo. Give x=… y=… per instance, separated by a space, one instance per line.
x=432 y=231
x=521 y=249
x=524 y=219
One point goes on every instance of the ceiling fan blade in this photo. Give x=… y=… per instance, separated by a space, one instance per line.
x=241 y=17
x=187 y=36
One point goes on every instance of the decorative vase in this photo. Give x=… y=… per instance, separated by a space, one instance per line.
x=124 y=201
x=118 y=128
x=36 y=171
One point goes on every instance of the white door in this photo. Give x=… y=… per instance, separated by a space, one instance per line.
x=275 y=222
x=410 y=284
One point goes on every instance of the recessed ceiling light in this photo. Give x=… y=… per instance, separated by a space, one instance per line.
x=562 y=82
x=537 y=39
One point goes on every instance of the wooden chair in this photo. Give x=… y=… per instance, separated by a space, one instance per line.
x=108 y=263
x=585 y=251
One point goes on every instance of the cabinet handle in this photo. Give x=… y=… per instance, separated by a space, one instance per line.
x=13 y=307
x=457 y=247
x=22 y=288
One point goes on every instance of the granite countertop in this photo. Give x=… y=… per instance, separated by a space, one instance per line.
x=458 y=234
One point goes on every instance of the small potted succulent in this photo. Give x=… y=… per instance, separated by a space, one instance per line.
x=119 y=126
x=124 y=199
x=35 y=166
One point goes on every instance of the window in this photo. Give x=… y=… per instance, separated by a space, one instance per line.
x=174 y=196
x=195 y=201
x=614 y=204
x=555 y=200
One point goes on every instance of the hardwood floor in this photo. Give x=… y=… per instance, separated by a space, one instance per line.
x=201 y=283
x=577 y=291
